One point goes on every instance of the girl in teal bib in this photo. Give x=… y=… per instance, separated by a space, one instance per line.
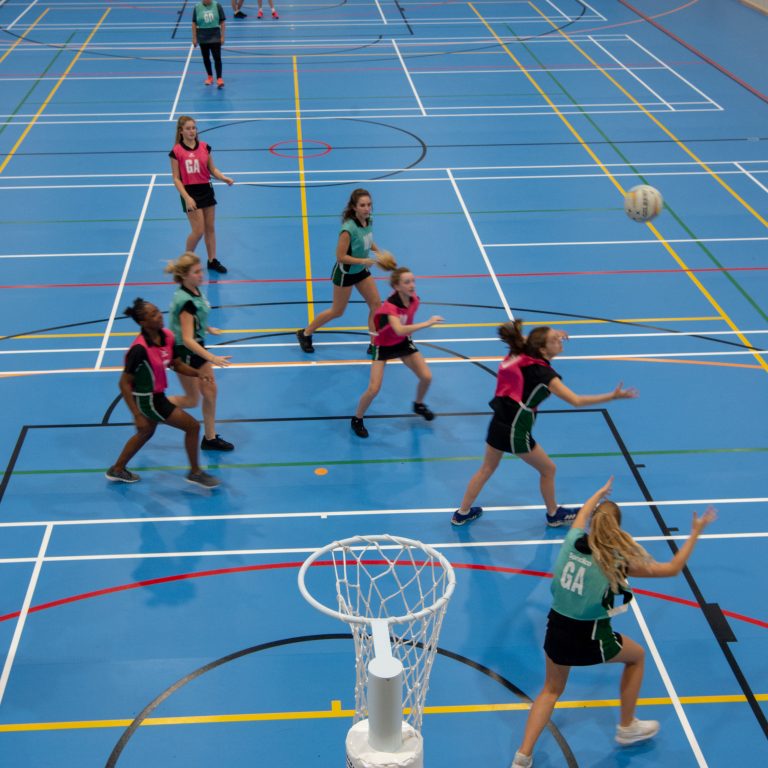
x=353 y=260
x=590 y=586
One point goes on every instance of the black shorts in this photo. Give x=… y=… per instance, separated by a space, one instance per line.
x=156 y=407
x=347 y=279
x=509 y=438
x=202 y=194
x=190 y=358
x=578 y=643
x=403 y=349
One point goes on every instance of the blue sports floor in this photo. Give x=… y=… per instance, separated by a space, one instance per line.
x=159 y=624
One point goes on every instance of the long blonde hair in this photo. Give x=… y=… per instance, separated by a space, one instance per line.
x=613 y=549
x=180 y=268
x=179 y=125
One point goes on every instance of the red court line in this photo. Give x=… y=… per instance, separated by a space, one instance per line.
x=568 y=273
x=273 y=566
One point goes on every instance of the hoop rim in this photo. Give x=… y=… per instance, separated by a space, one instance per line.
x=361 y=540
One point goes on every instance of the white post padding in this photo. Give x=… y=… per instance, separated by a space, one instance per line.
x=360 y=754
x=385 y=703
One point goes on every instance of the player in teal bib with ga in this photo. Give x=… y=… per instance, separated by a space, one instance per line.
x=353 y=259
x=589 y=586
x=188 y=319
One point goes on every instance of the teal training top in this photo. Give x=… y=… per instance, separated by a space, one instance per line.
x=185 y=301
x=580 y=589
x=360 y=239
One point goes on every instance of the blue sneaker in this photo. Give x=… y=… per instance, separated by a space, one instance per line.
x=562 y=516
x=473 y=514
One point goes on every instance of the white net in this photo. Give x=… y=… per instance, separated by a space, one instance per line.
x=399 y=580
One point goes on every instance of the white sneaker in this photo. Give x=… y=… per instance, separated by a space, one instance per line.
x=637 y=730
x=522 y=761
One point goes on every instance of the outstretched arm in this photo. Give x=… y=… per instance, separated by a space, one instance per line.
x=585 y=513
x=676 y=564
x=557 y=387
x=407 y=330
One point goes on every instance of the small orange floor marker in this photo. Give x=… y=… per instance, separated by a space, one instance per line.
x=321 y=471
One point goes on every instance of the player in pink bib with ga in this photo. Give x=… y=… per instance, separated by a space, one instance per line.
x=394 y=324
x=192 y=167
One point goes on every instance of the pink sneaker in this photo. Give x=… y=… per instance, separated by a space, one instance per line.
x=219 y=83
x=274 y=14
x=260 y=14
x=208 y=80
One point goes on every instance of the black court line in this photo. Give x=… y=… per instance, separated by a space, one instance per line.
x=721 y=630
x=178 y=19
x=570 y=760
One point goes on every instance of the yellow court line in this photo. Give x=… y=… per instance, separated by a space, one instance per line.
x=365 y=327
x=52 y=93
x=21 y=37
x=650 y=115
x=337 y=712
x=616 y=182
x=303 y=188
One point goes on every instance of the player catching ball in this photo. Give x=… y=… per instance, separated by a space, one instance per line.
x=394 y=323
x=352 y=268
x=589 y=586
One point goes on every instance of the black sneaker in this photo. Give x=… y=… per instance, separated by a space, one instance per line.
x=305 y=342
x=216 y=444
x=241 y=15
x=358 y=427
x=462 y=518
x=217 y=266
x=423 y=411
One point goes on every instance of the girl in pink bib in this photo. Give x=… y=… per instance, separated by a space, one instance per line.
x=192 y=167
x=394 y=324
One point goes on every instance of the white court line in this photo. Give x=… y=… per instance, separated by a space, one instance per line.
x=408 y=75
x=632 y=74
x=372 y=113
x=557 y=10
x=357 y=171
x=381 y=13
x=675 y=73
x=181 y=84
x=667 y=680
x=316 y=366
x=479 y=243
x=396 y=512
x=427 y=340
x=26 y=10
x=512 y=71
x=126 y=268
x=320 y=111
x=59 y=255
x=307 y=550
x=630 y=242
x=9 y=659
x=749 y=175
x=341 y=363
x=596 y=12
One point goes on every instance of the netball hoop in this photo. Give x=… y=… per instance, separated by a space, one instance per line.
x=393 y=592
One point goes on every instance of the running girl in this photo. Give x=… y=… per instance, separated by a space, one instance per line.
x=589 y=575
x=525 y=380
x=188 y=318
x=192 y=167
x=142 y=385
x=393 y=321
x=351 y=268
